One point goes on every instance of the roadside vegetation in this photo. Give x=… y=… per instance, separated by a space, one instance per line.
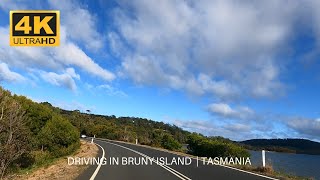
x=58 y=168
x=269 y=171
x=31 y=134
x=202 y=146
x=34 y=134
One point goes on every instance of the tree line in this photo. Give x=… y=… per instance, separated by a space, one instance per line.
x=152 y=133
x=299 y=146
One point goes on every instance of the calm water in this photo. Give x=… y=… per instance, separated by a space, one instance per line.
x=297 y=164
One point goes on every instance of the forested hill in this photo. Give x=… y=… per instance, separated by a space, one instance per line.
x=300 y=146
x=128 y=129
x=150 y=133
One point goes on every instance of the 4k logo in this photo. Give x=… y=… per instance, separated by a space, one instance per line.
x=34 y=28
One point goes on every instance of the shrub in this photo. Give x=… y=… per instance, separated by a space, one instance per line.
x=214 y=147
x=169 y=143
x=59 y=137
x=14 y=136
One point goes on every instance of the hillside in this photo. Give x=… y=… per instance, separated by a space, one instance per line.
x=127 y=129
x=299 y=146
x=151 y=133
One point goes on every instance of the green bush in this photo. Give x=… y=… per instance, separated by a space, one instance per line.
x=214 y=147
x=169 y=143
x=38 y=133
x=59 y=137
x=41 y=157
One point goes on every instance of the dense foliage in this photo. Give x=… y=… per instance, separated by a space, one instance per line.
x=29 y=130
x=152 y=133
x=170 y=143
x=302 y=146
x=214 y=147
x=127 y=129
x=59 y=137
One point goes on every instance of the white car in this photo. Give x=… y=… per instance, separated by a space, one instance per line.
x=83 y=136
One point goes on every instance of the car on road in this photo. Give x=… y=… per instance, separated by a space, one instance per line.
x=83 y=136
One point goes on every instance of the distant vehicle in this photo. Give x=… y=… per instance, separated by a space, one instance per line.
x=83 y=136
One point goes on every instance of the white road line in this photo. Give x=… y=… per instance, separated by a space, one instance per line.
x=99 y=166
x=248 y=172
x=173 y=171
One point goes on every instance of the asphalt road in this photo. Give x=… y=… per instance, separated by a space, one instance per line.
x=123 y=171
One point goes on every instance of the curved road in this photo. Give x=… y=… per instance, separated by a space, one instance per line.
x=119 y=150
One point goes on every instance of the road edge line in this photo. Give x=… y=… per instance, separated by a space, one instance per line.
x=248 y=172
x=99 y=166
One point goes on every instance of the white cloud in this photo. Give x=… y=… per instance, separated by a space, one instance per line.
x=225 y=111
x=144 y=70
x=66 y=79
x=239 y=128
x=81 y=25
x=221 y=88
x=53 y=59
x=112 y=91
x=305 y=126
x=149 y=71
x=11 y=5
x=82 y=29
x=195 y=126
x=116 y=44
x=212 y=128
x=7 y=75
x=217 y=47
x=71 y=54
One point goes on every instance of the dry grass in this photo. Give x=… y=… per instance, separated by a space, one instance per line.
x=269 y=171
x=60 y=170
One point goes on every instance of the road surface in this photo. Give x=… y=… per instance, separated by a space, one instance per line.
x=118 y=150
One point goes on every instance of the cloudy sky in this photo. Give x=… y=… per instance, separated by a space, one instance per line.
x=238 y=69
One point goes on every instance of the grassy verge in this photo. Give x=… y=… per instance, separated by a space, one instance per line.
x=42 y=160
x=269 y=171
x=46 y=167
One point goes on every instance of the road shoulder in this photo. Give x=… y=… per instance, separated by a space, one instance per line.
x=60 y=168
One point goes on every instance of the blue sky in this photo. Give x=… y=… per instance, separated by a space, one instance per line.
x=238 y=69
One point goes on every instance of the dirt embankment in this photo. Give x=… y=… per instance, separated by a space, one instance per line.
x=60 y=169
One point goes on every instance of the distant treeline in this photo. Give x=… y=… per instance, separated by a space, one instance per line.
x=152 y=133
x=300 y=146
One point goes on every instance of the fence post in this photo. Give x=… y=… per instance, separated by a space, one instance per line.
x=263 y=158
